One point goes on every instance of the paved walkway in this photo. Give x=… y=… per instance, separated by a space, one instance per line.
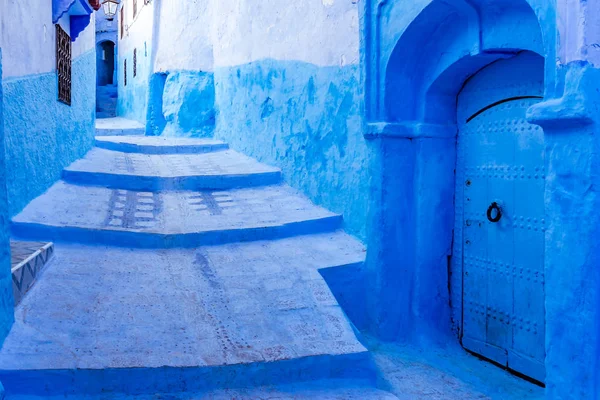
x=190 y=289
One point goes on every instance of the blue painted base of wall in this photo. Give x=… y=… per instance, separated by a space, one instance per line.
x=155 y=123
x=306 y=120
x=188 y=104
x=43 y=135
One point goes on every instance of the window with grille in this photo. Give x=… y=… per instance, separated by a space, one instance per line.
x=125 y=73
x=134 y=63
x=122 y=21
x=63 y=65
x=135 y=9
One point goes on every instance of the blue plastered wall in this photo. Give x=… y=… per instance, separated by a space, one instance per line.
x=182 y=88
x=297 y=102
x=571 y=125
x=42 y=135
x=137 y=37
x=6 y=296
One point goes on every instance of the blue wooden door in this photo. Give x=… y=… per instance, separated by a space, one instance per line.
x=500 y=199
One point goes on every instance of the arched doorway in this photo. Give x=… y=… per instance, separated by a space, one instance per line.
x=105 y=63
x=500 y=207
x=416 y=119
x=106 y=80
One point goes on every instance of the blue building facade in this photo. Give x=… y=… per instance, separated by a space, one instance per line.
x=457 y=137
x=40 y=135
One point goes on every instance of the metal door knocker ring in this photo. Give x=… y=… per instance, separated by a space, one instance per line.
x=490 y=210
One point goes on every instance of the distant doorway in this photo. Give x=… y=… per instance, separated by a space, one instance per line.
x=105 y=63
x=106 y=80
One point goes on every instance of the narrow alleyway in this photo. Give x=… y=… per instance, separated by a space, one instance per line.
x=161 y=311
x=186 y=270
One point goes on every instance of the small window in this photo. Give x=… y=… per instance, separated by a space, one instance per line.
x=134 y=63
x=63 y=65
x=135 y=9
x=122 y=21
x=125 y=72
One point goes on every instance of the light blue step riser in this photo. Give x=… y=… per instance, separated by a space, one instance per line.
x=358 y=367
x=135 y=148
x=155 y=184
x=102 y=114
x=27 y=231
x=121 y=132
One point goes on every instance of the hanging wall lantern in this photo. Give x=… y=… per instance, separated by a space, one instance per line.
x=110 y=8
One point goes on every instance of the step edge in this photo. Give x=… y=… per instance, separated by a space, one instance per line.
x=134 y=239
x=155 y=183
x=160 y=149
x=357 y=365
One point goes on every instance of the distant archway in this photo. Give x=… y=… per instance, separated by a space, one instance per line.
x=105 y=63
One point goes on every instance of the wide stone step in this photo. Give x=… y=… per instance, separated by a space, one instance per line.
x=118 y=126
x=328 y=390
x=154 y=172
x=87 y=214
x=159 y=144
x=113 y=320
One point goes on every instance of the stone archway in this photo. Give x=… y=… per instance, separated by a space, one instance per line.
x=414 y=142
x=106 y=78
x=105 y=63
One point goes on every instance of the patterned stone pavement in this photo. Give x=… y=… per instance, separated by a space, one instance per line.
x=260 y=302
x=227 y=162
x=188 y=218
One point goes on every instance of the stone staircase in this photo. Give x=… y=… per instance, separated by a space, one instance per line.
x=106 y=101
x=187 y=270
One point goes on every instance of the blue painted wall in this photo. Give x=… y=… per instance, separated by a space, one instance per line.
x=6 y=296
x=188 y=104
x=155 y=119
x=305 y=119
x=137 y=37
x=42 y=135
x=133 y=97
x=571 y=124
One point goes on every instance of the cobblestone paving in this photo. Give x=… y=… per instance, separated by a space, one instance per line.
x=116 y=308
x=226 y=162
x=65 y=205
